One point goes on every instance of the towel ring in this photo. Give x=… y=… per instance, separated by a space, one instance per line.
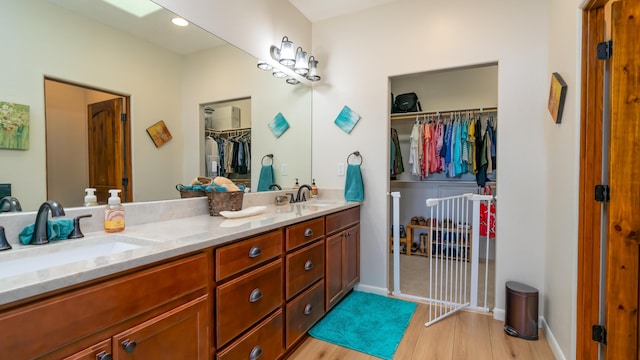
x=356 y=153
x=270 y=156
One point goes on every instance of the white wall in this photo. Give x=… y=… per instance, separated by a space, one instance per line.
x=427 y=37
x=562 y=175
x=44 y=40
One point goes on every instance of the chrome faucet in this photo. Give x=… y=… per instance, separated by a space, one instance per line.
x=40 y=229
x=301 y=194
x=10 y=204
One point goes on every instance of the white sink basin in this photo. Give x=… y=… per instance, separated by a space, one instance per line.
x=62 y=252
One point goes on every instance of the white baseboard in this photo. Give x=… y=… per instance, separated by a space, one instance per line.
x=551 y=340
x=372 y=289
x=499 y=314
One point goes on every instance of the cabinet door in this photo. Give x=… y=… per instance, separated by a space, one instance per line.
x=351 y=256
x=177 y=334
x=100 y=351
x=334 y=278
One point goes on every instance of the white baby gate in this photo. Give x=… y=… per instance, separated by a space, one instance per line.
x=452 y=245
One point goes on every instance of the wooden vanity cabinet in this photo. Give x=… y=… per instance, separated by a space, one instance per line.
x=304 y=285
x=154 y=307
x=342 y=254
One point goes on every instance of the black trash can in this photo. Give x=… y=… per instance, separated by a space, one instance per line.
x=521 y=318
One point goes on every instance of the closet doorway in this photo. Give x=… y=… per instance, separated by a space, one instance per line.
x=430 y=159
x=88 y=138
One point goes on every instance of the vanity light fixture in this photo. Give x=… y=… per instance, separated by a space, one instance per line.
x=179 y=21
x=297 y=61
x=302 y=63
x=263 y=65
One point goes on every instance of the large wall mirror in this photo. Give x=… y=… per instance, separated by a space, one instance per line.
x=93 y=44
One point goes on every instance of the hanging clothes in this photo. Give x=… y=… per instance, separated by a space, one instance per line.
x=397 y=167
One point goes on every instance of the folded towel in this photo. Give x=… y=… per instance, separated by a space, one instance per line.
x=353 y=187
x=57 y=229
x=266 y=178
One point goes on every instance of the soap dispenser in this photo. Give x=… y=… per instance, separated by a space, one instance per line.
x=90 y=197
x=114 y=213
x=314 y=188
x=296 y=185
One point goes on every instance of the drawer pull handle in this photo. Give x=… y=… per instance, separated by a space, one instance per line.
x=308 y=232
x=308 y=265
x=104 y=356
x=308 y=309
x=256 y=353
x=255 y=252
x=256 y=295
x=129 y=345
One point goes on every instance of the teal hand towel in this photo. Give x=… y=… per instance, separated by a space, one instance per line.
x=354 y=187
x=57 y=229
x=266 y=178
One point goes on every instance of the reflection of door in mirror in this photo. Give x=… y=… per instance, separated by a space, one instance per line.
x=88 y=144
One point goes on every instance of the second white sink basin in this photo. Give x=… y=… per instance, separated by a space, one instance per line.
x=38 y=257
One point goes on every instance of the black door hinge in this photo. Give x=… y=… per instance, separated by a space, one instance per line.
x=599 y=334
x=125 y=182
x=602 y=193
x=605 y=50
x=123 y=117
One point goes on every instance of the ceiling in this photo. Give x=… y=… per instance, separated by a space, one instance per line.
x=155 y=27
x=316 y=10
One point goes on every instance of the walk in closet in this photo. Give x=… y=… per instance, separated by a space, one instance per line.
x=227 y=131
x=447 y=147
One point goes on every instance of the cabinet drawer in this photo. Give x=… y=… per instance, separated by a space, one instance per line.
x=342 y=220
x=304 y=311
x=304 y=232
x=304 y=267
x=241 y=302
x=63 y=319
x=262 y=342
x=237 y=257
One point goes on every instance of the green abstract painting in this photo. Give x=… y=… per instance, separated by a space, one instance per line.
x=14 y=126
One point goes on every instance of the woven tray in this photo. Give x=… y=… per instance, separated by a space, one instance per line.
x=224 y=201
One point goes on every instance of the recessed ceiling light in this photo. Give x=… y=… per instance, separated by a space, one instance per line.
x=179 y=21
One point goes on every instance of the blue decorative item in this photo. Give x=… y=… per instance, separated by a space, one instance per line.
x=278 y=125
x=347 y=119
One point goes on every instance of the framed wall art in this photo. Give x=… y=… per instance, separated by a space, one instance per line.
x=159 y=133
x=557 y=93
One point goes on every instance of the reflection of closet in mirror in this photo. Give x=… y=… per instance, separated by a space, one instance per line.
x=227 y=132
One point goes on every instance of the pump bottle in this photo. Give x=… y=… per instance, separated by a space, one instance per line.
x=90 y=197
x=114 y=213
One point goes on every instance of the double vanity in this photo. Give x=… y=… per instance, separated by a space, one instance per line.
x=180 y=287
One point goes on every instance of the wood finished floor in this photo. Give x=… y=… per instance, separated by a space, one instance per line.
x=464 y=335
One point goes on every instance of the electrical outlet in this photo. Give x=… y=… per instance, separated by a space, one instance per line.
x=340 y=169
x=285 y=170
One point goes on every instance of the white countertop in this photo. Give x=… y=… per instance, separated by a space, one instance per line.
x=156 y=241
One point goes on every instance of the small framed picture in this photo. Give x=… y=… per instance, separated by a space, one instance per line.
x=557 y=93
x=159 y=133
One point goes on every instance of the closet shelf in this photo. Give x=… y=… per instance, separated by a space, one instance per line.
x=412 y=115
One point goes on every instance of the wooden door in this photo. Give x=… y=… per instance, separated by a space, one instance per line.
x=109 y=155
x=623 y=233
x=178 y=334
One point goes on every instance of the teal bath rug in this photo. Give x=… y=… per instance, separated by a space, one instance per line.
x=365 y=322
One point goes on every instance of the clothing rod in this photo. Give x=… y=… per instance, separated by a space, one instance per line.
x=448 y=182
x=231 y=131
x=412 y=116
